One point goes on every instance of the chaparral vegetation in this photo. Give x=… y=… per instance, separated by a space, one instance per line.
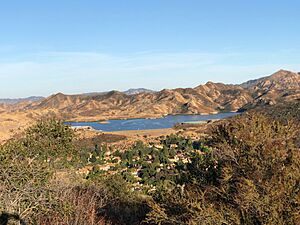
x=244 y=170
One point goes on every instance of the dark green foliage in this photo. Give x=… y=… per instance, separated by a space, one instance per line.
x=250 y=176
x=204 y=169
x=48 y=138
x=25 y=172
x=31 y=190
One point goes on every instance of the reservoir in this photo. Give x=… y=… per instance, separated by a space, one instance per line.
x=147 y=124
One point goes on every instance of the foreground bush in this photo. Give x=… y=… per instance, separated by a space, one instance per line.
x=250 y=176
x=38 y=183
x=24 y=177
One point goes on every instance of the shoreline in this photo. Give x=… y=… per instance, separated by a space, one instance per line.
x=150 y=117
x=91 y=125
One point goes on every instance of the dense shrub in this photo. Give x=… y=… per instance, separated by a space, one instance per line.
x=50 y=139
x=25 y=172
x=251 y=176
x=38 y=184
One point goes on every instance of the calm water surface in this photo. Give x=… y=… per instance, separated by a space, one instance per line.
x=145 y=124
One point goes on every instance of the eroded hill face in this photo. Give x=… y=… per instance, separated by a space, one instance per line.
x=208 y=98
x=282 y=86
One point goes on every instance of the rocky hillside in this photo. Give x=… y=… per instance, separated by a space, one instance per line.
x=282 y=86
x=208 y=98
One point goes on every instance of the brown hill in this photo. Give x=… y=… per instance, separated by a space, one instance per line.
x=208 y=98
x=282 y=79
x=282 y=86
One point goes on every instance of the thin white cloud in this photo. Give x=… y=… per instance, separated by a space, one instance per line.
x=47 y=72
x=88 y=63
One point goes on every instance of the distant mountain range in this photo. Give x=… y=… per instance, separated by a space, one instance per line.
x=134 y=91
x=19 y=100
x=208 y=98
x=131 y=91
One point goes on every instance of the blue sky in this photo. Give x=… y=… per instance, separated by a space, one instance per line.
x=75 y=46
